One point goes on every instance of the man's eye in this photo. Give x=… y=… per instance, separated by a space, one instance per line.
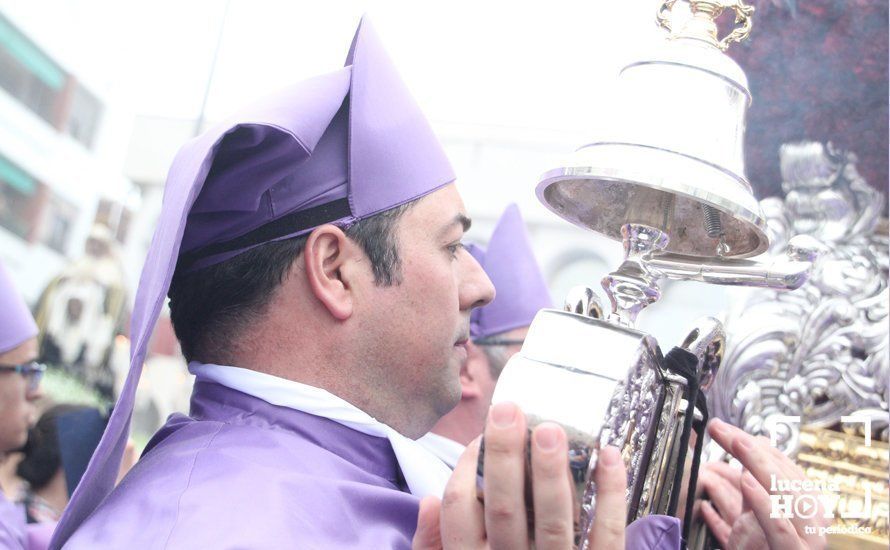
x=453 y=248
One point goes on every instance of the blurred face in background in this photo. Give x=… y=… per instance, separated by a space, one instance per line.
x=17 y=396
x=497 y=350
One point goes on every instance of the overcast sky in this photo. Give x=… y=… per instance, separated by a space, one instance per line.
x=498 y=67
x=516 y=64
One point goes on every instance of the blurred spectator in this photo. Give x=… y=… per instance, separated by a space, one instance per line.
x=19 y=387
x=10 y=483
x=56 y=456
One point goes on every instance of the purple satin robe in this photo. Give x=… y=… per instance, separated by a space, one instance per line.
x=241 y=473
x=13 y=533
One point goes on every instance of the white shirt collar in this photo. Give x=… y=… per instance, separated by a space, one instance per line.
x=447 y=450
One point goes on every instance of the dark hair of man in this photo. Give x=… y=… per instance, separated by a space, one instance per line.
x=209 y=307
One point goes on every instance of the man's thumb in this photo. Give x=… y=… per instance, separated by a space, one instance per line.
x=427 y=536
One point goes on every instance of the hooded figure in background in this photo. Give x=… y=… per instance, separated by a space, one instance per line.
x=82 y=310
x=496 y=332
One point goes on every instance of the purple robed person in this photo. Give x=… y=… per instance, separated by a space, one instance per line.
x=510 y=263
x=263 y=460
x=243 y=471
x=18 y=390
x=16 y=327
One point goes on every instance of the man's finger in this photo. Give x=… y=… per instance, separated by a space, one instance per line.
x=726 y=497
x=551 y=488
x=763 y=463
x=427 y=535
x=728 y=472
x=461 y=520
x=746 y=449
x=506 y=516
x=781 y=468
x=788 y=470
x=610 y=516
x=747 y=534
x=780 y=533
x=718 y=526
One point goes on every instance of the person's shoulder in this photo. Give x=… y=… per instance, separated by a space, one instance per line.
x=213 y=484
x=207 y=475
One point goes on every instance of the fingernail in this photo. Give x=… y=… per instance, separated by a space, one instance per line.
x=717 y=425
x=503 y=414
x=609 y=456
x=546 y=436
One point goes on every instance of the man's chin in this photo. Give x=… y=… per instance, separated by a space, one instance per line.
x=21 y=445
x=450 y=400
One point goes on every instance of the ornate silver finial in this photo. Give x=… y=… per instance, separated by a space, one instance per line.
x=703 y=23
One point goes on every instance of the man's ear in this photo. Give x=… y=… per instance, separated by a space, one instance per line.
x=470 y=371
x=327 y=250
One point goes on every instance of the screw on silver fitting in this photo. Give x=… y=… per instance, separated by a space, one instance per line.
x=714 y=228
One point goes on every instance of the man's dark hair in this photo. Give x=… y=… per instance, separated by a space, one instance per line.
x=209 y=307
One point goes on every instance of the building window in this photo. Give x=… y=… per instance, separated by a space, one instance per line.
x=19 y=199
x=28 y=74
x=83 y=116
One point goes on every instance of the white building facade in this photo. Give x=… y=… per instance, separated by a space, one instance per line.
x=57 y=176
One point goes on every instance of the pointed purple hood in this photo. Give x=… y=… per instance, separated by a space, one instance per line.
x=16 y=323
x=332 y=149
x=512 y=268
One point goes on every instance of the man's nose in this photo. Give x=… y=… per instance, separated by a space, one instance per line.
x=35 y=394
x=477 y=289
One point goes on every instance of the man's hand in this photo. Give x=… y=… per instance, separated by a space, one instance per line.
x=461 y=521
x=741 y=518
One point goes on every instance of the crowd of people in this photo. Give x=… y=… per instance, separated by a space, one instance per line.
x=346 y=344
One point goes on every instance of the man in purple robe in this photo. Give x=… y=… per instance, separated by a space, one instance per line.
x=311 y=249
x=496 y=332
x=19 y=388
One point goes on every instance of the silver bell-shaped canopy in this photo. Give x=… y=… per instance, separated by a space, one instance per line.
x=676 y=160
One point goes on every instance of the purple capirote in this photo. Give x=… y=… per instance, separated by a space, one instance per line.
x=16 y=322
x=332 y=149
x=520 y=289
